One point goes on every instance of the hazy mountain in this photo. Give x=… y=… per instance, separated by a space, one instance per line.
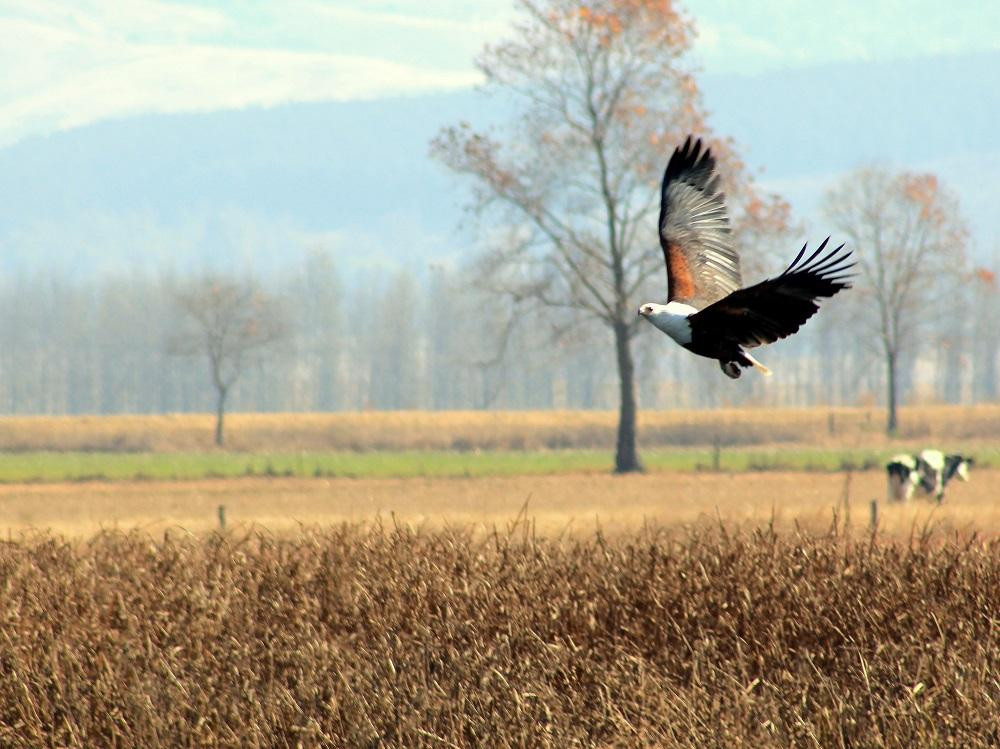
x=253 y=185
x=806 y=127
x=259 y=187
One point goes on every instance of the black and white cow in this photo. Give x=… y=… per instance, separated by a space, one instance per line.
x=939 y=469
x=904 y=475
x=931 y=470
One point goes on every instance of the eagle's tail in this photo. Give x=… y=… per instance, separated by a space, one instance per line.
x=763 y=370
x=745 y=360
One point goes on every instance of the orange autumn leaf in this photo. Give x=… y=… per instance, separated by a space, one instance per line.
x=986 y=276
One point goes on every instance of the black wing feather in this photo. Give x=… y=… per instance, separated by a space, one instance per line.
x=777 y=307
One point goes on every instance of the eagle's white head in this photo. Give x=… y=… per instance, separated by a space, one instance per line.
x=671 y=318
x=652 y=310
x=649 y=309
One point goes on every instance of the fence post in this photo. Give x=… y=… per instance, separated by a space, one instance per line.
x=847 y=498
x=222 y=517
x=874 y=514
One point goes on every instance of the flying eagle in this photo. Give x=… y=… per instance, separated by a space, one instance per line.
x=706 y=311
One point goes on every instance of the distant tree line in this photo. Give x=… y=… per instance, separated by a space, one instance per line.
x=431 y=340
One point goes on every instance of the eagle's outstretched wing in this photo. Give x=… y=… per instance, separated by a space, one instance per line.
x=777 y=307
x=702 y=266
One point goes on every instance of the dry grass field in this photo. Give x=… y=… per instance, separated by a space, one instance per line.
x=528 y=430
x=391 y=637
x=677 y=608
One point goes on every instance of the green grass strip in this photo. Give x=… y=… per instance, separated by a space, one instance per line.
x=83 y=466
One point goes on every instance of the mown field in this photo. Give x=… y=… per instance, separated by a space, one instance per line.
x=470 y=444
x=114 y=466
x=372 y=636
x=558 y=503
x=489 y=430
x=725 y=463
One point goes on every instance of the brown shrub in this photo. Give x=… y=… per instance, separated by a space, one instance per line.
x=371 y=637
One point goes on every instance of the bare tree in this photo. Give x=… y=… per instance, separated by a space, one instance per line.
x=986 y=334
x=603 y=98
x=909 y=237
x=318 y=294
x=228 y=321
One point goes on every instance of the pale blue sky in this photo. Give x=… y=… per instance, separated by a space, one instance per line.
x=71 y=62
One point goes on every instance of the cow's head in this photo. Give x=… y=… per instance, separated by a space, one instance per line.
x=957 y=465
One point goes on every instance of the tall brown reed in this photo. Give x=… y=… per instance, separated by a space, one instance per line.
x=372 y=636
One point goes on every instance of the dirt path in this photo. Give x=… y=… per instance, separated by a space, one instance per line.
x=555 y=502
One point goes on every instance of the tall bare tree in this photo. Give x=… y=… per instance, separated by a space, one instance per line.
x=318 y=294
x=228 y=321
x=985 y=333
x=909 y=237
x=602 y=96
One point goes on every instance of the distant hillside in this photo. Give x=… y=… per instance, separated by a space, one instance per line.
x=196 y=187
x=805 y=127
x=258 y=187
x=828 y=118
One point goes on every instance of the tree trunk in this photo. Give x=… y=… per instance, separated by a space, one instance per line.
x=891 y=385
x=220 y=415
x=626 y=455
